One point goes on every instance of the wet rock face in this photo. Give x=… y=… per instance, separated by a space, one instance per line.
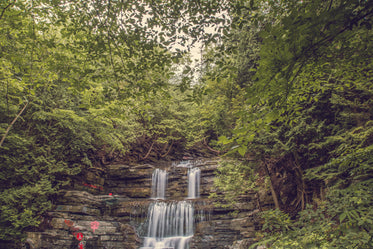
x=108 y=209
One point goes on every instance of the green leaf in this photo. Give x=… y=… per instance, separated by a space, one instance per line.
x=242 y=150
x=342 y=217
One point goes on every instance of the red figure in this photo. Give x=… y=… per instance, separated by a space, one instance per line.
x=93 y=186
x=69 y=223
x=81 y=245
x=110 y=194
x=79 y=236
x=94 y=225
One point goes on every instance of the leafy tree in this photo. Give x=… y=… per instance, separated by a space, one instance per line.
x=306 y=92
x=84 y=83
x=288 y=85
x=79 y=87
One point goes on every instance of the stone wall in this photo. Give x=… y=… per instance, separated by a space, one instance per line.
x=118 y=198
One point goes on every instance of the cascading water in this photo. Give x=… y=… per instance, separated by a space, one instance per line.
x=171 y=224
x=194 y=175
x=159 y=183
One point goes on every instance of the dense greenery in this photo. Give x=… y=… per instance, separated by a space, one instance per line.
x=305 y=117
x=82 y=84
x=284 y=89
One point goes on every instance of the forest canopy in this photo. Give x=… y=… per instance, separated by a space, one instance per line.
x=282 y=88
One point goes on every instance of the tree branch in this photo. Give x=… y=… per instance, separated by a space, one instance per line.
x=12 y=123
x=169 y=149
x=2 y=12
x=150 y=149
x=211 y=149
x=274 y=194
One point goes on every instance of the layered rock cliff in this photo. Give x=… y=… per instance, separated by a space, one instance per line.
x=108 y=209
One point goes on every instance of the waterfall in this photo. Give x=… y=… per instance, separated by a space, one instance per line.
x=170 y=219
x=159 y=183
x=193 y=182
x=171 y=224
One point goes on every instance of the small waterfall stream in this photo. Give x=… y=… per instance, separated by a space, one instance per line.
x=159 y=184
x=171 y=223
x=194 y=175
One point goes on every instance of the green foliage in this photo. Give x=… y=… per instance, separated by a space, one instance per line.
x=343 y=221
x=289 y=85
x=97 y=77
x=233 y=178
x=95 y=82
x=352 y=159
x=22 y=206
x=305 y=233
x=275 y=220
x=302 y=33
x=30 y=173
x=303 y=71
x=166 y=119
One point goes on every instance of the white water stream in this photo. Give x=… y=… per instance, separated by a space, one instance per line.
x=171 y=224
x=194 y=176
x=159 y=184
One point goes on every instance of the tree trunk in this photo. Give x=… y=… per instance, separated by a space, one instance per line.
x=150 y=149
x=274 y=194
